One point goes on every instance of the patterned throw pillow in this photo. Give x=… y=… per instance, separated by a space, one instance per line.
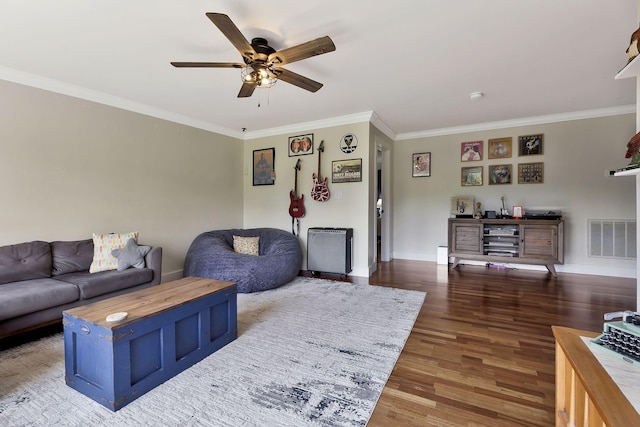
x=246 y=245
x=103 y=244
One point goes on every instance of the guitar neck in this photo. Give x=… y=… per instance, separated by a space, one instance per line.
x=320 y=151
x=295 y=183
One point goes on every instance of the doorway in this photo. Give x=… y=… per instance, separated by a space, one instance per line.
x=383 y=203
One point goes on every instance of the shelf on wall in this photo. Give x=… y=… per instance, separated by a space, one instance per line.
x=632 y=69
x=628 y=172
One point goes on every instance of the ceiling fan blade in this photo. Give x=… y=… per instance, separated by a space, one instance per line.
x=208 y=64
x=230 y=31
x=247 y=90
x=297 y=80
x=302 y=51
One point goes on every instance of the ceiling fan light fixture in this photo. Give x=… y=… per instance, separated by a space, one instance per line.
x=261 y=76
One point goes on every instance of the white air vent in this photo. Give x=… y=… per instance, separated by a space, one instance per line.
x=612 y=238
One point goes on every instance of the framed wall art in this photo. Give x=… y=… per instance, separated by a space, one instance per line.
x=462 y=206
x=348 y=143
x=530 y=145
x=499 y=148
x=264 y=166
x=499 y=174
x=518 y=212
x=471 y=176
x=531 y=173
x=301 y=145
x=471 y=151
x=346 y=170
x=421 y=164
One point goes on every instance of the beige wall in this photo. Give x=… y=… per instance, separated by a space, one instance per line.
x=576 y=155
x=69 y=168
x=348 y=206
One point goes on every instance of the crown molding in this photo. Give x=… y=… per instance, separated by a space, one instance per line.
x=57 y=86
x=527 y=121
x=316 y=124
x=382 y=126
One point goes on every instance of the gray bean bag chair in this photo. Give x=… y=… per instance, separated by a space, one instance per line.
x=211 y=255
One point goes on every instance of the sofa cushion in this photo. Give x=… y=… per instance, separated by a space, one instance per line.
x=25 y=261
x=70 y=257
x=28 y=296
x=94 y=284
x=103 y=245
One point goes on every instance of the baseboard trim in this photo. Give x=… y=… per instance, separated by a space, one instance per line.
x=174 y=275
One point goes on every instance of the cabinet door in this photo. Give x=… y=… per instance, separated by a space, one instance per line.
x=539 y=241
x=467 y=238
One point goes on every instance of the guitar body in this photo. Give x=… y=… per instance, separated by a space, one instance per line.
x=296 y=207
x=320 y=190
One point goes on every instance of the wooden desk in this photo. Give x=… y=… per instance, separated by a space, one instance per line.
x=586 y=396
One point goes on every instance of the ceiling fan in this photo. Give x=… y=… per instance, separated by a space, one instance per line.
x=262 y=63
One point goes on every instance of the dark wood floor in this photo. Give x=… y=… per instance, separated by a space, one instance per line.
x=481 y=352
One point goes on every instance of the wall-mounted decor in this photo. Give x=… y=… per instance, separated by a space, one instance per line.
x=499 y=174
x=531 y=173
x=301 y=145
x=346 y=170
x=530 y=145
x=471 y=176
x=421 y=164
x=348 y=143
x=471 y=151
x=500 y=148
x=462 y=206
x=264 y=166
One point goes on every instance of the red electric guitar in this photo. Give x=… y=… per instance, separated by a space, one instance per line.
x=320 y=191
x=296 y=208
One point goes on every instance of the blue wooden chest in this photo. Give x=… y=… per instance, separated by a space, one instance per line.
x=168 y=328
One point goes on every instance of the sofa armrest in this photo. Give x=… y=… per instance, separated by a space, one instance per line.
x=153 y=260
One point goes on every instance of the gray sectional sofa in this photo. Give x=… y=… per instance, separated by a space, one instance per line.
x=39 y=280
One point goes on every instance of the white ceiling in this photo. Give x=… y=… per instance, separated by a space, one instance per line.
x=412 y=63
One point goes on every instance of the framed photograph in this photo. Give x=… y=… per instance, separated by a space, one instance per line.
x=471 y=176
x=421 y=164
x=531 y=173
x=462 y=206
x=530 y=145
x=518 y=212
x=301 y=145
x=264 y=166
x=471 y=151
x=346 y=170
x=499 y=174
x=500 y=148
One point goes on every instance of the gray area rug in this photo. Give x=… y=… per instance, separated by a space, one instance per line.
x=311 y=353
